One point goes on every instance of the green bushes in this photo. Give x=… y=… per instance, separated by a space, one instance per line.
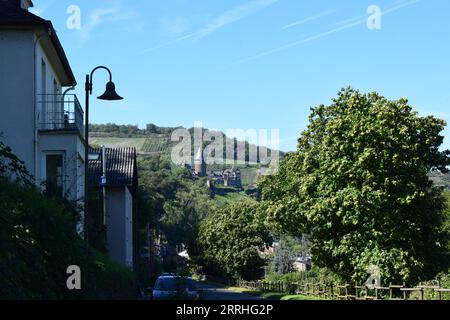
x=287 y=277
x=442 y=280
x=38 y=242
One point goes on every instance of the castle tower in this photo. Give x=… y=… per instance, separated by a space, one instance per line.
x=199 y=164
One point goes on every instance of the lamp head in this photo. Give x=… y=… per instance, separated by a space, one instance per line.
x=110 y=93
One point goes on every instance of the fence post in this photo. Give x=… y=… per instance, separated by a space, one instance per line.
x=390 y=290
x=404 y=292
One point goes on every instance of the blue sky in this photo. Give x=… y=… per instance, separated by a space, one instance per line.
x=254 y=63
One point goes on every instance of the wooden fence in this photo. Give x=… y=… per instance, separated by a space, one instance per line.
x=349 y=292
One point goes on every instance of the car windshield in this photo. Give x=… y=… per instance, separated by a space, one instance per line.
x=175 y=284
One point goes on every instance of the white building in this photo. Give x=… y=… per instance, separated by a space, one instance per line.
x=43 y=126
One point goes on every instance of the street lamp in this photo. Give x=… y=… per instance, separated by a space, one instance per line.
x=109 y=95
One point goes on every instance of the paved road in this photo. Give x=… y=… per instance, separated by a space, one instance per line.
x=215 y=292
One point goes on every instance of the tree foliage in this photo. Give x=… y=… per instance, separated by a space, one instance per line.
x=358 y=183
x=172 y=202
x=230 y=237
x=38 y=241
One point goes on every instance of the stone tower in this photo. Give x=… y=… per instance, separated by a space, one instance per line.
x=199 y=164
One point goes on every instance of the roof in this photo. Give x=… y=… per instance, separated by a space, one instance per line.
x=12 y=16
x=11 y=13
x=121 y=168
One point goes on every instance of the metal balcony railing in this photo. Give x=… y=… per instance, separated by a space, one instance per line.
x=59 y=112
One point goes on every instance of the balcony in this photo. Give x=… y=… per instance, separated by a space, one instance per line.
x=60 y=113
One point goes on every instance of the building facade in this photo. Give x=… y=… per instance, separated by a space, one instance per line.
x=40 y=121
x=120 y=187
x=228 y=178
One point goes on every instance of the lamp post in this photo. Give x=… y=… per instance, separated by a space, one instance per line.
x=109 y=95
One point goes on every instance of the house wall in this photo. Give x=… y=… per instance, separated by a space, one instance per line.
x=16 y=94
x=45 y=84
x=129 y=227
x=119 y=208
x=21 y=79
x=72 y=149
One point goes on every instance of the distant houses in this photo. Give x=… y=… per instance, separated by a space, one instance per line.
x=228 y=177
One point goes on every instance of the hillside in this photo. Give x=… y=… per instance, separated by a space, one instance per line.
x=154 y=141
x=440 y=179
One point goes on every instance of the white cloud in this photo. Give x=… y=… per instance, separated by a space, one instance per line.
x=308 y=19
x=233 y=15
x=176 y=26
x=230 y=16
x=355 y=22
x=99 y=16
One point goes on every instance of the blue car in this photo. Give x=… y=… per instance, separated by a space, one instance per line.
x=170 y=287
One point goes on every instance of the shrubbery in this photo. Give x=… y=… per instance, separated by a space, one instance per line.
x=38 y=241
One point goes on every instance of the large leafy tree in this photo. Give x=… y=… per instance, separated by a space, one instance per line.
x=229 y=239
x=184 y=213
x=358 y=183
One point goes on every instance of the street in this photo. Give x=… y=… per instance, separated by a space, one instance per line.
x=215 y=292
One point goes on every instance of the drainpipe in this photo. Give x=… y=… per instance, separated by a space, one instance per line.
x=67 y=90
x=103 y=182
x=35 y=102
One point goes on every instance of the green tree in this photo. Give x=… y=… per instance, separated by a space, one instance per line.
x=183 y=214
x=230 y=238
x=358 y=184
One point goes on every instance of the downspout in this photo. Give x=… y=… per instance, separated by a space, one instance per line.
x=35 y=102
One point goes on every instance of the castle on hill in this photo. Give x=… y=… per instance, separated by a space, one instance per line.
x=228 y=177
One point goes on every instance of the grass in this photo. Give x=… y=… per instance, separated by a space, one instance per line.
x=249 y=176
x=118 y=142
x=156 y=145
x=232 y=197
x=300 y=297
x=271 y=295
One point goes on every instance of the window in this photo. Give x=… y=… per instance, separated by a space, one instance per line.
x=54 y=175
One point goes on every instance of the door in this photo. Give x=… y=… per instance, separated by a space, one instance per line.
x=54 y=175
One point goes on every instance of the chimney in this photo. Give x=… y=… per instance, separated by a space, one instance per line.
x=23 y=4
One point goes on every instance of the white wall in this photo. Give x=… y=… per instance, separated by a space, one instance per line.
x=16 y=94
x=21 y=79
x=129 y=227
x=119 y=220
x=73 y=166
